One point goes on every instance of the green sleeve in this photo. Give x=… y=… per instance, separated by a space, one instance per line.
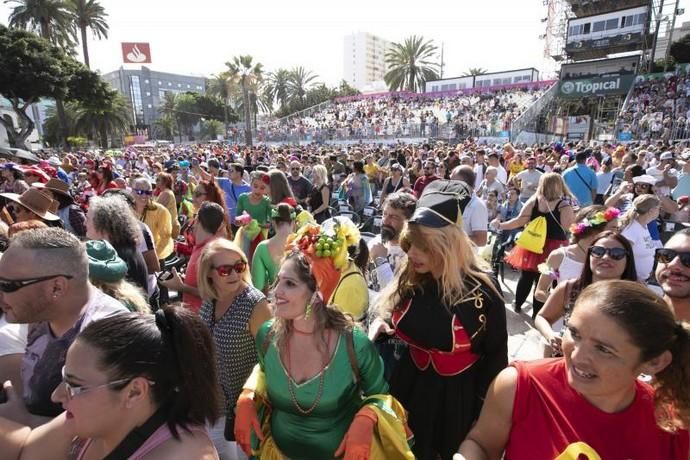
x=241 y=204
x=259 y=267
x=370 y=364
x=260 y=339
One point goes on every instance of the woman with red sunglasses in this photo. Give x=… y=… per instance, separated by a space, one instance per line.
x=234 y=310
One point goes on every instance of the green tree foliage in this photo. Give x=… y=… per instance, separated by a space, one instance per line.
x=51 y=19
x=474 y=71
x=30 y=68
x=88 y=14
x=210 y=129
x=299 y=82
x=318 y=94
x=110 y=115
x=247 y=73
x=410 y=64
x=680 y=50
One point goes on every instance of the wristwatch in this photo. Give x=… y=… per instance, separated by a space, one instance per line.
x=380 y=261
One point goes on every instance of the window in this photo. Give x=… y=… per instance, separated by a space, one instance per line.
x=627 y=21
x=169 y=83
x=189 y=86
x=612 y=24
x=586 y=28
x=160 y=82
x=148 y=93
x=149 y=106
x=179 y=85
x=135 y=91
x=641 y=18
x=599 y=26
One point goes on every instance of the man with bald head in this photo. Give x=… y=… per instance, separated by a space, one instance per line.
x=673 y=273
x=44 y=282
x=475 y=217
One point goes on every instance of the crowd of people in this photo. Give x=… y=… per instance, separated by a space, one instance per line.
x=317 y=302
x=480 y=114
x=658 y=108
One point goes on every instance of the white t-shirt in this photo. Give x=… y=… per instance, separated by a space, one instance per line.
x=528 y=182
x=475 y=217
x=12 y=337
x=643 y=248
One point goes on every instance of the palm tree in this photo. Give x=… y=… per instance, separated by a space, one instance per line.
x=276 y=87
x=410 y=64
x=218 y=85
x=299 y=82
x=474 y=71
x=168 y=108
x=165 y=127
x=246 y=73
x=89 y=14
x=111 y=115
x=51 y=19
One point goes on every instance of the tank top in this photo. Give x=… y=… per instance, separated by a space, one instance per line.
x=551 y=420
x=390 y=188
x=569 y=269
x=554 y=230
x=161 y=435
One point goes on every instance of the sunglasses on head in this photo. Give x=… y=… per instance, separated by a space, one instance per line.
x=614 y=253
x=8 y=286
x=227 y=269
x=666 y=256
x=141 y=192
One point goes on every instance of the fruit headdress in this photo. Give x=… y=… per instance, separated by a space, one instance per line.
x=326 y=249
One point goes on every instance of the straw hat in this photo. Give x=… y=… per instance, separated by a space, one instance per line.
x=34 y=201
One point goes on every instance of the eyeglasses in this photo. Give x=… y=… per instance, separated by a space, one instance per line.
x=141 y=192
x=75 y=390
x=666 y=256
x=8 y=286
x=227 y=269
x=614 y=253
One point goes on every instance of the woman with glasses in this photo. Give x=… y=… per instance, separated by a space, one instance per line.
x=591 y=403
x=134 y=386
x=633 y=226
x=609 y=257
x=155 y=216
x=393 y=183
x=233 y=310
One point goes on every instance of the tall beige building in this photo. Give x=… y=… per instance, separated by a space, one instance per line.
x=364 y=61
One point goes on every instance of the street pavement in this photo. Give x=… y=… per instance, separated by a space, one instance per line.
x=524 y=342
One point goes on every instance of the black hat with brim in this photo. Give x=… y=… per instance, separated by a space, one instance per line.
x=442 y=203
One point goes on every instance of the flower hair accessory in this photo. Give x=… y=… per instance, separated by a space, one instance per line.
x=602 y=217
x=276 y=215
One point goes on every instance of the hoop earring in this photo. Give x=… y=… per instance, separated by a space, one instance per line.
x=307 y=312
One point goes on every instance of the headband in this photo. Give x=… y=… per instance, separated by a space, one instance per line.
x=602 y=217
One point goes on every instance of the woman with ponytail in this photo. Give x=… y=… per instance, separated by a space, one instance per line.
x=591 y=403
x=134 y=387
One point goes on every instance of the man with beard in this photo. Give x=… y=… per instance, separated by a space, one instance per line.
x=384 y=249
x=673 y=273
x=426 y=179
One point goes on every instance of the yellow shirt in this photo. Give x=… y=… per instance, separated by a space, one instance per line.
x=352 y=294
x=372 y=171
x=158 y=219
x=516 y=168
x=172 y=209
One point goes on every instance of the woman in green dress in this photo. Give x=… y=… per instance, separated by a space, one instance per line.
x=268 y=253
x=257 y=205
x=319 y=384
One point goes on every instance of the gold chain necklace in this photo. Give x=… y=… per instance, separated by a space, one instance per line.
x=291 y=390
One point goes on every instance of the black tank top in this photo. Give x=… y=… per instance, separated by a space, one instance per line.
x=390 y=188
x=554 y=230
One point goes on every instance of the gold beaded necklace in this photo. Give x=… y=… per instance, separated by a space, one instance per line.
x=291 y=390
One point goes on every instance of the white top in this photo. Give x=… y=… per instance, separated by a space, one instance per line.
x=12 y=337
x=475 y=217
x=643 y=248
x=569 y=269
x=529 y=180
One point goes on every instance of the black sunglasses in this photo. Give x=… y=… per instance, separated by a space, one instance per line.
x=141 y=192
x=8 y=286
x=614 y=253
x=666 y=256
